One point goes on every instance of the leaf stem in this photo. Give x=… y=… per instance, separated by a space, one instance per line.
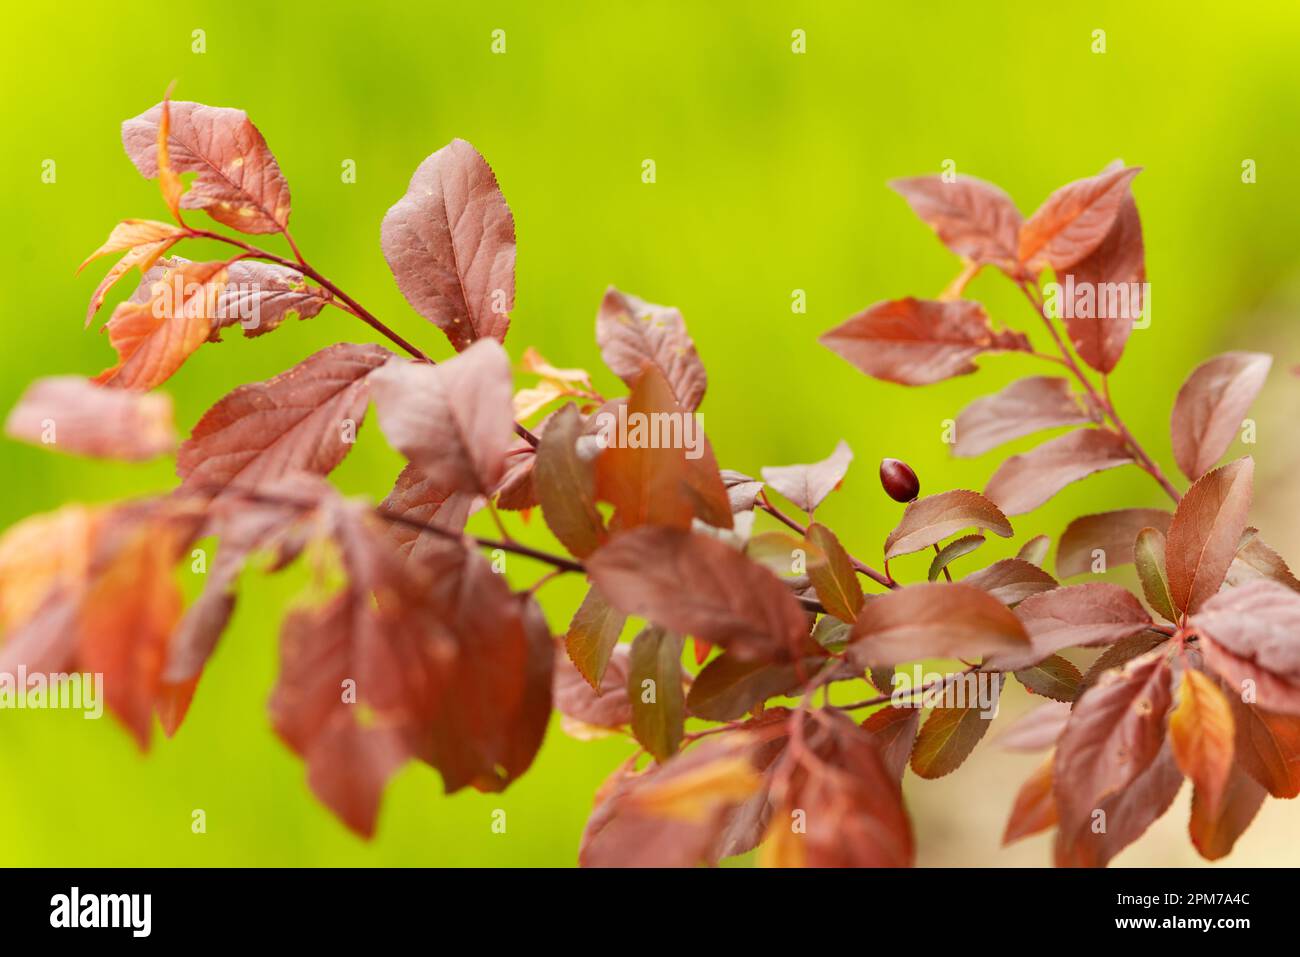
x=764 y=503
x=1101 y=399
x=910 y=692
x=352 y=306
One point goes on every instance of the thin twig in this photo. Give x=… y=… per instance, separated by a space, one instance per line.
x=1102 y=399
x=350 y=305
x=764 y=503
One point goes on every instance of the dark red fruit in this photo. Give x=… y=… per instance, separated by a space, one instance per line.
x=900 y=482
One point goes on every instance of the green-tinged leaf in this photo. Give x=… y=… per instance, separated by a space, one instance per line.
x=1053 y=677
x=947 y=738
x=831 y=633
x=834 y=579
x=654 y=686
x=592 y=635
x=784 y=554
x=953 y=551
x=566 y=485
x=1034 y=551
x=1149 y=554
x=727 y=688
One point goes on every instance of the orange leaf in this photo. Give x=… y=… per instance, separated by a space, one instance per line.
x=168 y=179
x=1035 y=807
x=125 y=622
x=1201 y=735
x=130 y=233
x=154 y=338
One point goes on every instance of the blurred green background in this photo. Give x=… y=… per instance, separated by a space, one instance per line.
x=771 y=172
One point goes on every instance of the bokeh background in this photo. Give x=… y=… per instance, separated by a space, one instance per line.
x=771 y=177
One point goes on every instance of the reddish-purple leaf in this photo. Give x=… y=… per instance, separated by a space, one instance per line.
x=1035 y=806
x=1259 y=622
x=917 y=342
x=450 y=242
x=1124 y=650
x=303 y=420
x=1011 y=580
x=445 y=663
x=1022 y=408
x=1250 y=681
x=634 y=335
x=257 y=296
x=453 y=420
x=607 y=706
x=974 y=219
x=1115 y=732
x=929 y=520
x=73 y=415
x=1256 y=560
x=1211 y=406
x=1267 y=746
x=239 y=182
x=853 y=811
x=1074 y=220
x=727 y=688
x=1036 y=730
x=895 y=730
x=416 y=498
x=1206 y=532
x=1127 y=815
x=1097 y=613
x=676 y=814
x=696 y=585
x=516 y=491
x=1216 y=825
x=260 y=296
x=1096 y=543
x=934 y=620
x=1026 y=481
x=808 y=485
x=1107 y=288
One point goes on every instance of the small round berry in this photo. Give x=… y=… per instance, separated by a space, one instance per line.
x=900 y=482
